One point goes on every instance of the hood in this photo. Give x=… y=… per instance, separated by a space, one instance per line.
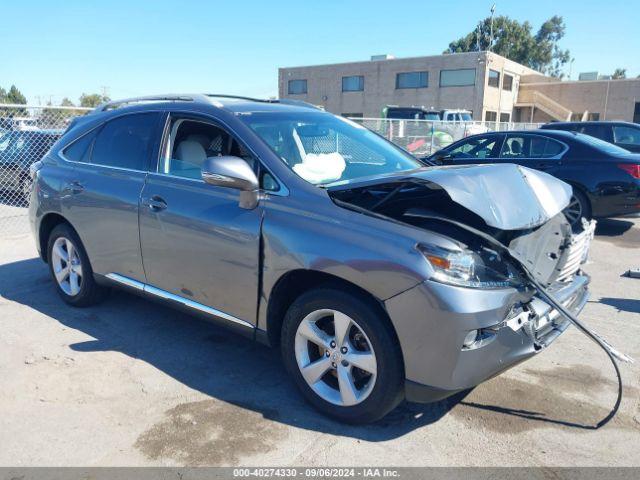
x=505 y=196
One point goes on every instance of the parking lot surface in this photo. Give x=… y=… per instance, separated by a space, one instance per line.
x=131 y=382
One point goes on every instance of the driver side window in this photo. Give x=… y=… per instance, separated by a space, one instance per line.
x=190 y=142
x=476 y=148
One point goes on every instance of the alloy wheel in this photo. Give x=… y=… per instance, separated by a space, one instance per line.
x=573 y=212
x=335 y=357
x=67 y=266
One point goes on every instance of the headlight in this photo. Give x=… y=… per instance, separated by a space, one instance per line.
x=483 y=268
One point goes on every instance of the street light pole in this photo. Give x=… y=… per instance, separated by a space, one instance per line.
x=493 y=9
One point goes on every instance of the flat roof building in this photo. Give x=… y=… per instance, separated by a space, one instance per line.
x=492 y=87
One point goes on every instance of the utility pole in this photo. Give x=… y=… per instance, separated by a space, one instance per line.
x=105 y=91
x=493 y=9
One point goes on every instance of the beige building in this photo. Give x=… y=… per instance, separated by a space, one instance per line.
x=490 y=86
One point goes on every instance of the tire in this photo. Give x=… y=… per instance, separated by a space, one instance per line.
x=578 y=208
x=369 y=396
x=83 y=291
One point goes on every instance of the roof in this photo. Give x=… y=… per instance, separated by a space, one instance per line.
x=592 y=122
x=231 y=103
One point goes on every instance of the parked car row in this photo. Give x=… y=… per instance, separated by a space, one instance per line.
x=605 y=177
x=378 y=278
x=19 y=149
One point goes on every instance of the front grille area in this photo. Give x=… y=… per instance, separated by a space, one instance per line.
x=575 y=253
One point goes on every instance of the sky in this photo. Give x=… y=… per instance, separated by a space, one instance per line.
x=52 y=50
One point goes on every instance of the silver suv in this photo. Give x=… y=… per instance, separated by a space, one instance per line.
x=377 y=277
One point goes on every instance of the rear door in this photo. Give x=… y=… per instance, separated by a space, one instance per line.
x=102 y=195
x=534 y=151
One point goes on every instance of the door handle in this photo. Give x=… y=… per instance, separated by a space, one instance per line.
x=155 y=203
x=73 y=188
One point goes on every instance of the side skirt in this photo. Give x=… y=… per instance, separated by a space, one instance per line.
x=185 y=304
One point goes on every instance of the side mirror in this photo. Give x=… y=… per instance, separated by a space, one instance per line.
x=440 y=156
x=233 y=172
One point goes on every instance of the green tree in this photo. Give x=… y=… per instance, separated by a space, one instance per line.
x=12 y=96
x=619 y=73
x=15 y=96
x=515 y=41
x=92 y=100
x=52 y=117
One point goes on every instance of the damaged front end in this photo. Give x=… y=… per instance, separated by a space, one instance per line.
x=508 y=286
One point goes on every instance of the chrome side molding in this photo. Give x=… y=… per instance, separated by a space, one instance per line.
x=144 y=287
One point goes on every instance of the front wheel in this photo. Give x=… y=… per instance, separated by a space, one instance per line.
x=343 y=355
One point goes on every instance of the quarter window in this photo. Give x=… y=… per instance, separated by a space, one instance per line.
x=124 y=142
x=463 y=77
x=80 y=150
x=494 y=78
x=412 y=80
x=353 y=84
x=297 y=87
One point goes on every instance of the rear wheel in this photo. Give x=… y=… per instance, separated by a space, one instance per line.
x=578 y=208
x=343 y=355
x=70 y=268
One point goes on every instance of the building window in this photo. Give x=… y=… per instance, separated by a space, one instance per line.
x=490 y=116
x=505 y=117
x=494 y=78
x=352 y=115
x=458 y=78
x=297 y=87
x=594 y=117
x=412 y=80
x=353 y=84
x=507 y=82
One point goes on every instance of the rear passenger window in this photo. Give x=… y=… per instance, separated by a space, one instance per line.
x=124 y=142
x=542 y=147
x=80 y=150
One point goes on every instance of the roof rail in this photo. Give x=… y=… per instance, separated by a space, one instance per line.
x=300 y=103
x=112 y=105
x=237 y=97
x=284 y=101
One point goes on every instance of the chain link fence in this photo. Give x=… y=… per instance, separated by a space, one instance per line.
x=424 y=137
x=26 y=134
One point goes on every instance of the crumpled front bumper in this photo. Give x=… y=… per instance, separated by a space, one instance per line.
x=433 y=319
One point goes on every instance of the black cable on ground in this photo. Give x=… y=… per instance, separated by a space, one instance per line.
x=608 y=349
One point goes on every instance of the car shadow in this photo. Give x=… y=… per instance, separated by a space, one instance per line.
x=199 y=354
x=622 y=304
x=612 y=227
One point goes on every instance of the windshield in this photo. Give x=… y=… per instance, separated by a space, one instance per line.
x=601 y=145
x=323 y=148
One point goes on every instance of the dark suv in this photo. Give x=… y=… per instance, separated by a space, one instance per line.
x=18 y=151
x=622 y=134
x=305 y=230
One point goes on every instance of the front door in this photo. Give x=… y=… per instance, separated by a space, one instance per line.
x=197 y=242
